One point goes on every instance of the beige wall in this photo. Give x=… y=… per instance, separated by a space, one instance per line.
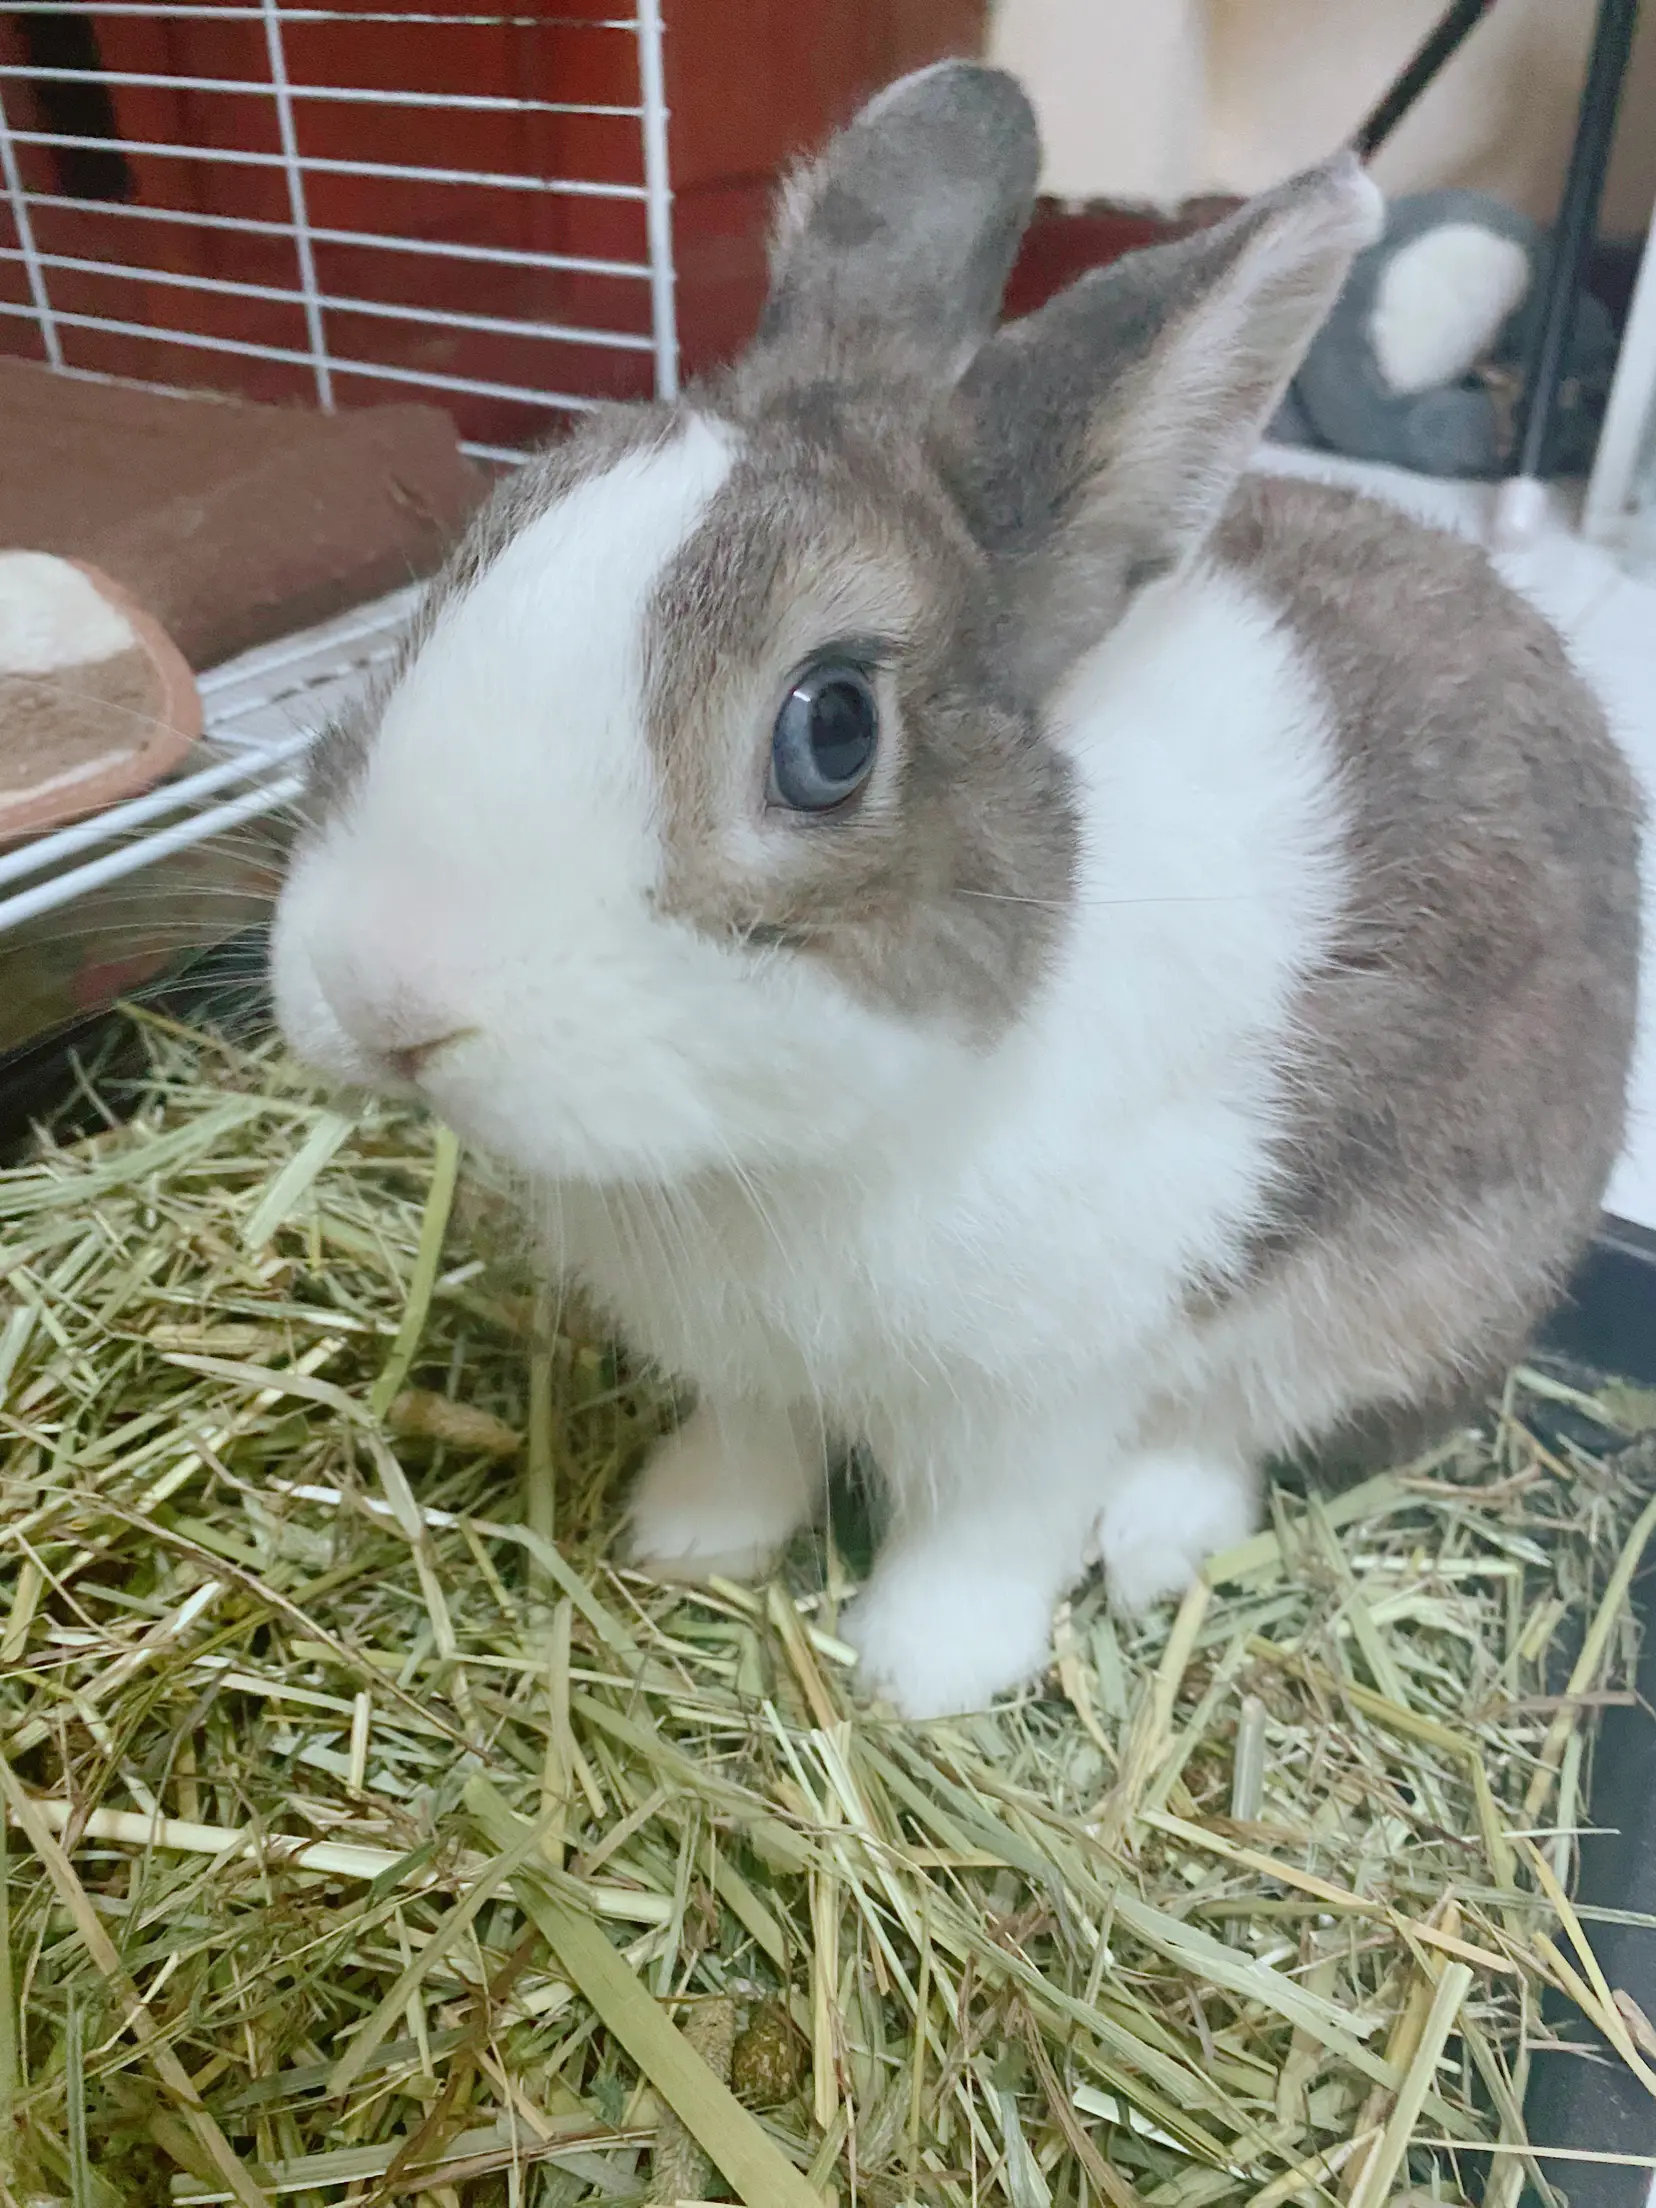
x=1155 y=99
x=1120 y=87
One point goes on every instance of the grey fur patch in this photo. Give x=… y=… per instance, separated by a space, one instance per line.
x=1460 y=1062
x=894 y=247
x=942 y=892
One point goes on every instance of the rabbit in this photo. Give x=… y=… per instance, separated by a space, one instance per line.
x=989 y=934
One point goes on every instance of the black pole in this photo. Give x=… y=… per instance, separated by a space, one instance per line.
x=1462 y=18
x=1577 y=224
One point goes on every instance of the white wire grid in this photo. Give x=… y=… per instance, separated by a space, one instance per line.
x=286 y=100
x=392 y=272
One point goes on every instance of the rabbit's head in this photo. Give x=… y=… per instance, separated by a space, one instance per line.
x=711 y=819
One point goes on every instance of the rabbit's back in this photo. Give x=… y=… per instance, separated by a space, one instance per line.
x=1459 y=1061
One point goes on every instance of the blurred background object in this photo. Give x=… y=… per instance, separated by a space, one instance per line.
x=1194 y=97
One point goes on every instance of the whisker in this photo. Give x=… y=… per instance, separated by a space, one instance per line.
x=126 y=896
x=1094 y=904
x=54 y=687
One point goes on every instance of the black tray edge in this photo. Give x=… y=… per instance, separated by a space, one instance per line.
x=1608 y=1319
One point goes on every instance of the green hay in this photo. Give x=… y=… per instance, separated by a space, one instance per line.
x=368 y=1844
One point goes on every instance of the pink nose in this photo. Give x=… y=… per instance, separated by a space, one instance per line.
x=396 y=1020
x=409 y=1060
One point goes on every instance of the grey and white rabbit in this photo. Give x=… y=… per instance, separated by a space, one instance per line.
x=990 y=934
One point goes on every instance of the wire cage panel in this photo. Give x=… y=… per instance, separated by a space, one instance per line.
x=343 y=205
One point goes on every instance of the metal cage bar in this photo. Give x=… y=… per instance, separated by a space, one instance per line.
x=17 y=200
x=377 y=240
x=310 y=164
x=468 y=103
x=276 y=56
x=658 y=199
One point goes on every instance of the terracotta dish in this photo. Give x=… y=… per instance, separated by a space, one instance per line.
x=96 y=701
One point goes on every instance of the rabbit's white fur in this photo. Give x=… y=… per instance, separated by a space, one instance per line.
x=410 y=920
x=974 y=1260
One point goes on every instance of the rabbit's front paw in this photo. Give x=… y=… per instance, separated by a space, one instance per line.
x=937 y=1639
x=720 y=1497
x=1167 y=1514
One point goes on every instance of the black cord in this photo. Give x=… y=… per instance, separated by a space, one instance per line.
x=1461 y=20
x=1577 y=223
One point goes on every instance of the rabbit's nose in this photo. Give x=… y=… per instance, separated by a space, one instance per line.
x=408 y=1061
x=400 y=1023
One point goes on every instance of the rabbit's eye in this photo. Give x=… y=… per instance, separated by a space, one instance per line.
x=826 y=735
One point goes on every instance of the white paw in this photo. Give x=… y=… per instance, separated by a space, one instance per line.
x=721 y=1497
x=1165 y=1517
x=938 y=1638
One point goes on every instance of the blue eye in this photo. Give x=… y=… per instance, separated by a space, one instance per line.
x=826 y=735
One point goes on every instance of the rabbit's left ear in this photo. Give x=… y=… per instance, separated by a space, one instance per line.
x=893 y=248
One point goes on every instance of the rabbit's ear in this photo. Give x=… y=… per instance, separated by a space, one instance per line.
x=892 y=249
x=1105 y=434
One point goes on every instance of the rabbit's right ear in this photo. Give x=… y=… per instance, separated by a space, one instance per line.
x=893 y=248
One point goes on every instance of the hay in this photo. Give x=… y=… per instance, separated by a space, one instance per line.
x=368 y=1843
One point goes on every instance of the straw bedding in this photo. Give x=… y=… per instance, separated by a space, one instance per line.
x=370 y=1838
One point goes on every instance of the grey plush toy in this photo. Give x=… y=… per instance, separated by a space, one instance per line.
x=1418 y=363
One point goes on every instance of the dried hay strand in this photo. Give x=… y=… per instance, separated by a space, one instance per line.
x=372 y=1839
